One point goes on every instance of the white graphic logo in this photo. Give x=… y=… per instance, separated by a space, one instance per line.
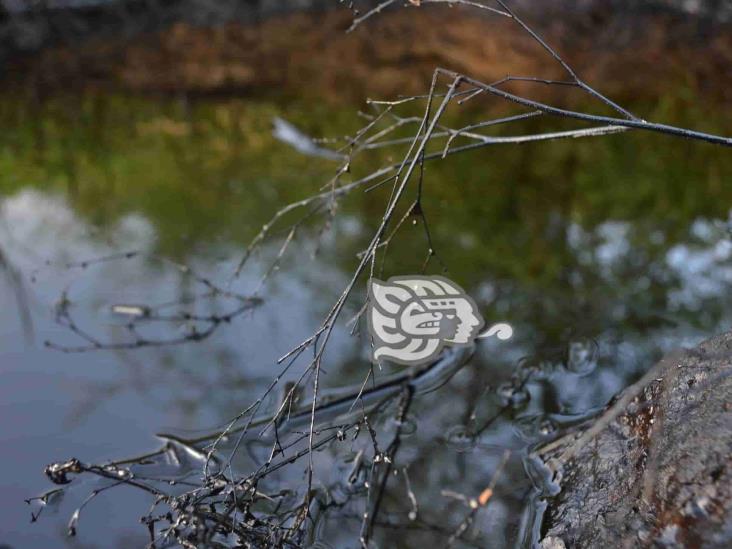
x=412 y=318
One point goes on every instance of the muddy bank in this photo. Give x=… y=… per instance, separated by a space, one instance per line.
x=660 y=473
x=627 y=57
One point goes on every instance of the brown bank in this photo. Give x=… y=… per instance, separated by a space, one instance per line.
x=630 y=57
x=655 y=469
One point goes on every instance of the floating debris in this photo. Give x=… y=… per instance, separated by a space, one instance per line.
x=287 y=133
x=138 y=311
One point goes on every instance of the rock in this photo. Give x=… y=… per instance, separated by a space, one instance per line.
x=660 y=473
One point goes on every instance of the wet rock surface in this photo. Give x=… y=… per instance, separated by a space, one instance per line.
x=660 y=473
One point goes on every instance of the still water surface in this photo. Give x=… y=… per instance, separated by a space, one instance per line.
x=602 y=254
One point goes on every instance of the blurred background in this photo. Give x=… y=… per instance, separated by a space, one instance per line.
x=145 y=125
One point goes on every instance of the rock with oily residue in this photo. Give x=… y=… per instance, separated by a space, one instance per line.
x=660 y=474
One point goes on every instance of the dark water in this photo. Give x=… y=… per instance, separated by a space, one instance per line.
x=602 y=254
